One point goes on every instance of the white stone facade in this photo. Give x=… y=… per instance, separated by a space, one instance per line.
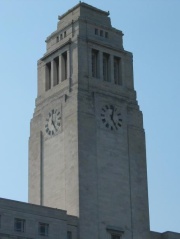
x=87 y=142
x=24 y=220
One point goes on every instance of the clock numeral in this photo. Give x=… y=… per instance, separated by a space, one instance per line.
x=111 y=128
x=103 y=110
x=107 y=107
x=107 y=125
x=119 y=124
x=103 y=120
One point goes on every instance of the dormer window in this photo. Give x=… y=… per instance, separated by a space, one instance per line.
x=101 y=33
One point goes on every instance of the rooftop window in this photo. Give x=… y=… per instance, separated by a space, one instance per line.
x=43 y=229
x=19 y=225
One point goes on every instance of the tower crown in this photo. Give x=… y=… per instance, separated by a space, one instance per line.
x=87 y=11
x=85 y=46
x=71 y=25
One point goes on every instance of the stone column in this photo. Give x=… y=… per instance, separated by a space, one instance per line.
x=121 y=70
x=111 y=68
x=60 y=69
x=100 y=65
x=52 y=73
x=64 y=66
x=90 y=62
x=68 y=64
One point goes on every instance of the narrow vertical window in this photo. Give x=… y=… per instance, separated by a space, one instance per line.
x=114 y=236
x=106 y=34
x=48 y=76
x=106 y=67
x=96 y=31
x=64 y=66
x=101 y=33
x=61 y=36
x=94 y=63
x=43 y=229
x=117 y=71
x=19 y=225
x=69 y=235
x=56 y=71
x=57 y=39
x=65 y=34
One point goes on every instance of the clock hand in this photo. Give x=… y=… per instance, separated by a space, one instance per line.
x=112 y=118
x=113 y=113
x=52 y=122
x=52 y=118
x=54 y=125
x=114 y=123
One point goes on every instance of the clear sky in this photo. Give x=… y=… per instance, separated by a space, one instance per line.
x=152 y=32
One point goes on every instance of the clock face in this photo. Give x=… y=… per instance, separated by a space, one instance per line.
x=111 y=117
x=53 y=122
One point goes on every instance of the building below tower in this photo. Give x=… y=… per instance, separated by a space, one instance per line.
x=19 y=220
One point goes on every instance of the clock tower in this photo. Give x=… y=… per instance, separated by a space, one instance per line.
x=87 y=142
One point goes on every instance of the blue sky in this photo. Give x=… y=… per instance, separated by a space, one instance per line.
x=152 y=32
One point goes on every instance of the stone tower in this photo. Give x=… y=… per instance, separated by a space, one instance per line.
x=87 y=143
